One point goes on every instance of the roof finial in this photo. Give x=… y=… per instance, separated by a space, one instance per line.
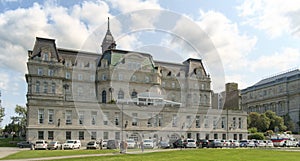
x=107 y=23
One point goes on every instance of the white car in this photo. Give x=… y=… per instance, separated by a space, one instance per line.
x=41 y=144
x=269 y=143
x=131 y=144
x=72 y=144
x=149 y=143
x=189 y=143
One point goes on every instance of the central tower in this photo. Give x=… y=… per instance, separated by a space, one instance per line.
x=108 y=41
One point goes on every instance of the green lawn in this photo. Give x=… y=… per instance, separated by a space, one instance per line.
x=8 y=142
x=182 y=155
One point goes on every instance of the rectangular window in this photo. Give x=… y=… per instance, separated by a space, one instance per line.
x=240 y=122
x=41 y=135
x=53 y=88
x=81 y=135
x=45 y=87
x=94 y=116
x=224 y=136
x=215 y=136
x=50 y=116
x=41 y=116
x=68 y=75
x=117 y=119
x=117 y=135
x=198 y=122
x=105 y=118
x=234 y=122
x=50 y=135
x=40 y=71
x=80 y=77
x=68 y=135
x=120 y=77
x=223 y=124
x=105 y=135
x=68 y=117
x=81 y=117
x=150 y=120
x=188 y=121
x=93 y=135
x=92 y=78
x=134 y=119
x=174 y=120
x=206 y=120
x=160 y=120
x=104 y=77
x=215 y=122
x=37 y=87
x=50 y=72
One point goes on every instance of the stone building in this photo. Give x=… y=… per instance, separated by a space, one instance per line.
x=280 y=93
x=121 y=94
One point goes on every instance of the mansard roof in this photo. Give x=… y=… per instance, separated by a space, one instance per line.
x=43 y=43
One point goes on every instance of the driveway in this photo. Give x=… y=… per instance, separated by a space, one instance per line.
x=5 y=151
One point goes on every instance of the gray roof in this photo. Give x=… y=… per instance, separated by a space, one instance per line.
x=277 y=77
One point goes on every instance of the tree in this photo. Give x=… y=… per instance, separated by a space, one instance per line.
x=288 y=122
x=259 y=121
x=275 y=121
x=257 y=136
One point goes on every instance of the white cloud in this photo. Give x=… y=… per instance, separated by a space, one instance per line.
x=133 y=5
x=275 y=17
x=4 y=81
x=279 y=61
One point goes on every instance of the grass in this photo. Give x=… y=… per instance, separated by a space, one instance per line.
x=8 y=142
x=188 y=155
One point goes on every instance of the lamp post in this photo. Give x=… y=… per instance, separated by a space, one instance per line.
x=122 y=147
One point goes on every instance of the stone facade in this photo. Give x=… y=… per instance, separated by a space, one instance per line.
x=280 y=94
x=121 y=94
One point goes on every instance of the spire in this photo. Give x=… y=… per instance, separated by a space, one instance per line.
x=108 y=41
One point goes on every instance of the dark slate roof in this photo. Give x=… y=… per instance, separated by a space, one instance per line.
x=277 y=77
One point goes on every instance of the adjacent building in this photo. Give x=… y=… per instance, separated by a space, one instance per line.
x=280 y=93
x=120 y=94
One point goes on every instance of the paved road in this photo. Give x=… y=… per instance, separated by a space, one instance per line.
x=5 y=151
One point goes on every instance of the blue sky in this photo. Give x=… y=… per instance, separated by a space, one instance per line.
x=252 y=39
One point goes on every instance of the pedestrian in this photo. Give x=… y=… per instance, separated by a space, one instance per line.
x=142 y=146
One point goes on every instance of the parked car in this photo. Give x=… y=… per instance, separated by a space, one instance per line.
x=234 y=143
x=93 y=145
x=202 y=143
x=189 y=143
x=25 y=144
x=54 y=145
x=131 y=144
x=244 y=143
x=225 y=143
x=112 y=144
x=104 y=143
x=215 y=144
x=260 y=143
x=41 y=144
x=72 y=144
x=149 y=143
x=164 y=144
x=178 y=143
x=268 y=143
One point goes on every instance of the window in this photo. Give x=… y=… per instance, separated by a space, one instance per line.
x=79 y=91
x=41 y=116
x=134 y=94
x=92 y=77
x=50 y=72
x=133 y=78
x=174 y=120
x=224 y=136
x=80 y=77
x=120 y=76
x=198 y=122
x=40 y=71
x=173 y=85
x=117 y=115
x=81 y=117
x=68 y=135
x=223 y=124
x=103 y=96
x=50 y=135
x=53 y=88
x=68 y=75
x=215 y=136
x=188 y=121
x=234 y=122
x=46 y=57
x=105 y=135
x=215 y=123
x=45 y=87
x=68 y=117
x=120 y=94
x=81 y=135
x=134 y=119
x=104 y=77
x=105 y=118
x=147 y=80
x=50 y=116
x=41 y=135
x=160 y=120
x=94 y=115
x=93 y=135
x=37 y=87
x=206 y=120
x=117 y=135
x=149 y=122
x=240 y=122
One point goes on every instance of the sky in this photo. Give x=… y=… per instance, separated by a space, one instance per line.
x=240 y=41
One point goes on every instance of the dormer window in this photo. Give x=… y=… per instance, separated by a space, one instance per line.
x=46 y=56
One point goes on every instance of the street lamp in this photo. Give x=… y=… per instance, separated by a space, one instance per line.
x=122 y=147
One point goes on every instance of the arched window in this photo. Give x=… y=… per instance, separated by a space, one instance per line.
x=104 y=96
x=120 y=94
x=134 y=94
